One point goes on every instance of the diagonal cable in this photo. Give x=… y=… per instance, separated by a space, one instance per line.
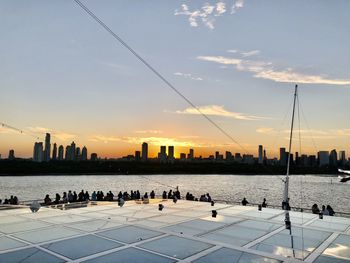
x=156 y=72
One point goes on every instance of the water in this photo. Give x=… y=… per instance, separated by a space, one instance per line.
x=304 y=190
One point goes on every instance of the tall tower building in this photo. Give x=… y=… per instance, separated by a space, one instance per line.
x=38 y=152
x=11 y=155
x=77 y=154
x=342 y=157
x=60 y=153
x=171 y=157
x=67 y=153
x=72 y=151
x=54 y=152
x=47 y=149
x=191 y=155
x=84 y=154
x=162 y=154
x=261 y=154
x=144 y=154
x=333 y=158
x=283 y=156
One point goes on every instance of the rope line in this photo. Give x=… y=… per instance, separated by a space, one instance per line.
x=156 y=72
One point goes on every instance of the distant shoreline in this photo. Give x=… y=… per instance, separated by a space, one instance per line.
x=91 y=168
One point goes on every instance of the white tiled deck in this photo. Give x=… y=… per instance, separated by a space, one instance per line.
x=182 y=232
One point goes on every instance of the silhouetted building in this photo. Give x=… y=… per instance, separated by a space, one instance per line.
x=47 y=149
x=228 y=156
x=323 y=158
x=77 y=154
x=260 y=155
x=94 y=157
x=137 y=155
x=11 y=155
x=67 y=153
x=72 y=152
x=312 y=161
x=54 y=152
x=144 y=151
x=162 y=154
x=182 y=157
x=238 y=158
x=38 y=152
x=84 y=154
x=171 y=157
x=342 y=158
x=283 y=156
x=60 y=153
x=248 y=159
x=190 y=156
x=333 y=158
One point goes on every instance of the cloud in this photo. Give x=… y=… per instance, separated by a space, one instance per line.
x=103 y=138
x=149 y=131
x=216 y=110
x=266 y=70
x=187 y=76
x=63 y=136
x=250 y=53
x=237 y=4
x=308 y=134
x=265 y=130
x=206 y=14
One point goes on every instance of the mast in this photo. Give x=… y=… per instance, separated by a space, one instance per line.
x=286 y=181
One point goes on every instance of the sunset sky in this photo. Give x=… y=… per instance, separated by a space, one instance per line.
x=238 y=61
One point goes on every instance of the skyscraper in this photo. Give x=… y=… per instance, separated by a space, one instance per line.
x=47 y=149
x=137 y=155
x=261 y=154
x=38 y=152
x=191 y=155
x=72 y=151
x=84 y=154
x=67 y=153
x=162 y=154
x=283 y=156
x=323 y=158
x=342 y=157
x=77 y=154
x=171 y=157
x=144 y=151
x=333 y=158
x=11 y=155
x=60 y=153
x=54 y=152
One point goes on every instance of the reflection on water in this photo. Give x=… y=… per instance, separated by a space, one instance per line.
x=314 y=189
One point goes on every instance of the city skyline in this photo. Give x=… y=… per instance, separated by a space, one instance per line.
x=166 y=154
x=237 y=63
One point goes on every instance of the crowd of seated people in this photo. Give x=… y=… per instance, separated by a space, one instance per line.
x=13 y=200
x=327 y=211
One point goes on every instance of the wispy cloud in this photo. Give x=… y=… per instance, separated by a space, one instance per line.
x=187 y=76
x=250 y=53
x=312 y=133
x=63 y=136
x=217 y=110
x=207 y=13
x=237 y=4
x=266 y=70
x=149 y=131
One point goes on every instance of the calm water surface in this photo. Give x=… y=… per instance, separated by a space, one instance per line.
x=304 y=190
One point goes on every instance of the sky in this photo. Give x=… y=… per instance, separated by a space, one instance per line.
x=237 y=61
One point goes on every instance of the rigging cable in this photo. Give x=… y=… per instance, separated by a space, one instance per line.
x=19 y=130
x=156 y=72
x=301 y=182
